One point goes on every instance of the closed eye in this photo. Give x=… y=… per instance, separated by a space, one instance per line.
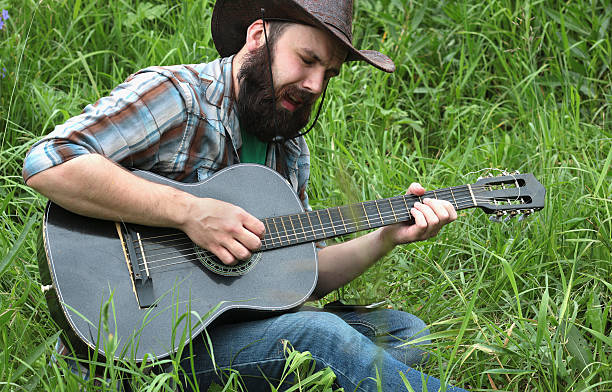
x=307 y=61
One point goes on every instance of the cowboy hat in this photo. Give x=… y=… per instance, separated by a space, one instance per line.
x=231 y=18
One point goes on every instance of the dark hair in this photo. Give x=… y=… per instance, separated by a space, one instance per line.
x=274 y=30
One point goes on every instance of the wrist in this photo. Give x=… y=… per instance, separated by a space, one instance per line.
x=385 y=239
x=180 y=209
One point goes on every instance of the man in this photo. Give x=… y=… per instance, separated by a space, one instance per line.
x=187 y=122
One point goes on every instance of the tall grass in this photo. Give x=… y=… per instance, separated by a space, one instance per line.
x=480 y=86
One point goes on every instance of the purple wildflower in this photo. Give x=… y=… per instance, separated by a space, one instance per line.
x=5 y=14
x=1 y=24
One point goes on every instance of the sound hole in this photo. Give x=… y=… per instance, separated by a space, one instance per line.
x=212 y=263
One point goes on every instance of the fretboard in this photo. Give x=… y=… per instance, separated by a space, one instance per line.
x=337 y=221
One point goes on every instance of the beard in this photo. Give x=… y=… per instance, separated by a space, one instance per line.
x=259 y=112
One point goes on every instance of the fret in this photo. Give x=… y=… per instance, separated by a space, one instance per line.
x=336 y=221
x=342 y=219
x=406 y=204
x=323 y=234
x=386 y=213
x=434 y=193
x=285 y=230
x=299 y=218
x=472 y=195
x=398 y=204
x=353 y=220
x=280 y=239
x=314 y=235
x=269 y=233
x=373 y=214
x=392 y=210
x=453 y=196
x=382 y=221
x=366 y=215
x=293 y=229
x=331 y=221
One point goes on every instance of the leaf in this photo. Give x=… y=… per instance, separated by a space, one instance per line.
x=492 y=349
x=542 y=319
x=10 y=256
x=33 y=357
x=577 y=346
x=509 y=371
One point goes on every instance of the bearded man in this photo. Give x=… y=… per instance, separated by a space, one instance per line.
x=187 y=122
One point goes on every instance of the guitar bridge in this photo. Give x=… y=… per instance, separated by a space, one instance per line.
x=139 y=272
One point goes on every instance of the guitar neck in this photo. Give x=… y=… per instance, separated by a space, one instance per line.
x=336 y=221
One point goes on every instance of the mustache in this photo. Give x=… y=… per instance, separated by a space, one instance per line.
x=298 y=94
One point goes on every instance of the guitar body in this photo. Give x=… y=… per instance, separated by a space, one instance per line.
x=84 y=261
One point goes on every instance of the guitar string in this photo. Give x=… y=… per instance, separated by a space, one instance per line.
x=376 y=202
x=281 y=236
x=192 y=257
x=367 y=204
x=436 y=194
x=323 y=226
x=297 y=216
x=190 y=246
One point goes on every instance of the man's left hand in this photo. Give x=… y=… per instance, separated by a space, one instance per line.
x=429 y=217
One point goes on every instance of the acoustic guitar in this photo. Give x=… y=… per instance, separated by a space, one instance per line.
x=127 y=290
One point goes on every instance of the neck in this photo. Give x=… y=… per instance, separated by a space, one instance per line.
x=336 y=221
x=237 y=62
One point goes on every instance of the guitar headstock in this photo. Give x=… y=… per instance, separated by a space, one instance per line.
x=509 y=194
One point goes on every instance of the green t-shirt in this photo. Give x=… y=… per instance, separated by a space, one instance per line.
x=253 y=150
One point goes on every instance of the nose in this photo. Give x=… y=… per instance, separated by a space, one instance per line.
x=315 y=81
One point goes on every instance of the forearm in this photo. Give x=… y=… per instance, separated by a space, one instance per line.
x=341 y=263
x=92 y=185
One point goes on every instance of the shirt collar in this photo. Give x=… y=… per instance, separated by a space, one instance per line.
x=220 y=94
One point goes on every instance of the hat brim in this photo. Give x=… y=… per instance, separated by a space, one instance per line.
x=231 y=18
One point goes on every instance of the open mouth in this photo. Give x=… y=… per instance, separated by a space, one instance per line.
x=290 y=103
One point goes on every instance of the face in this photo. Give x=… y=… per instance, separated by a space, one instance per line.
x=304 y=59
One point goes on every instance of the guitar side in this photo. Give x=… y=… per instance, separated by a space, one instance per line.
x=83 y=259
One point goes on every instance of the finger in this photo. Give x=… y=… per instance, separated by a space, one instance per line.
x=237 y=250
x=440 y=208
x=420 y=223
x=416 y=189
x=432 y=222
x=429 y=214
x=248 y=239
x=253 y=225
x=224 y=255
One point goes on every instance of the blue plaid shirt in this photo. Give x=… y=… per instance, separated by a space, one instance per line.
x=177 y=121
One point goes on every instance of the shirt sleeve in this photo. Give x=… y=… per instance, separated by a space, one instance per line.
x=126 y=127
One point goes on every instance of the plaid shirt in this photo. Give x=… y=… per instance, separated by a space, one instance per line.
x=176 y=121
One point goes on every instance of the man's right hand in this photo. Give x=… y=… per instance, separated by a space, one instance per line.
x=226 y=230
x=93 y=186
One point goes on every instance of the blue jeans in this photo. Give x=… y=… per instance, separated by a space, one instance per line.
x=354 y=345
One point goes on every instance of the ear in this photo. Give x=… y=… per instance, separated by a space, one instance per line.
x=255 y=36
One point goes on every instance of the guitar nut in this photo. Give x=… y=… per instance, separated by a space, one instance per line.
x=45 y=288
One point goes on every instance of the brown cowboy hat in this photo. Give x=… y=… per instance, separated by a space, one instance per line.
x=231 y=18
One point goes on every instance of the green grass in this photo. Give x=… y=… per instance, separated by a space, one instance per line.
x=518 y=306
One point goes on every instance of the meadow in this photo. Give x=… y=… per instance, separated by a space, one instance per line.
x=480 y=87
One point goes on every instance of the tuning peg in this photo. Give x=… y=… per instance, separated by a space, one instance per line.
x=495 y=218
x=525 y=214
